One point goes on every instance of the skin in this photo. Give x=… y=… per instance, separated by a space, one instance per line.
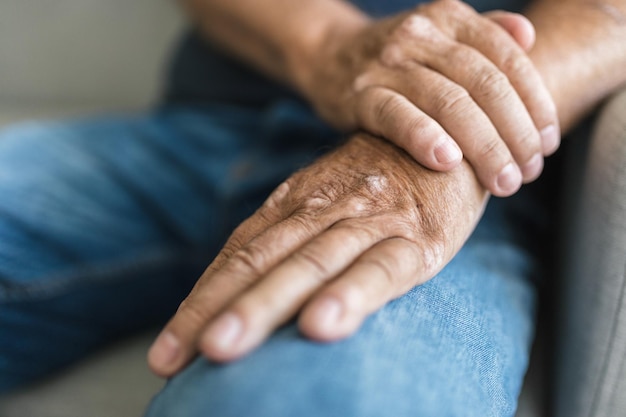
x=419 y=79
x=403 y=222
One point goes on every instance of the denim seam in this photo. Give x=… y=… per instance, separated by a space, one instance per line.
x=106 y=272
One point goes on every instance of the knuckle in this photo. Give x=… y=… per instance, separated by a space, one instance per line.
x=417 y=130
x=363 y=82
x=424 y=133
x=323 y=197
x=516 y=65
x=278 y=196
x=454 y=8
x=193 y=313
x=228 y=251
x=407 y=227
x=414 y=26
x=528 y=140
x=250 y=259
x=401 y=50
x=303 y=223
x=376 y=193
x=491 y=85
x=392 y=55
x=431 y=257
x=426 y=255
x=375 y=184
x=357 y=205
x=386 y=266
x=386 y=108
x=461 y=56
x=235 y=241
x=492 y=149
x=312 y=259
x=452 y=100
x=434 y=254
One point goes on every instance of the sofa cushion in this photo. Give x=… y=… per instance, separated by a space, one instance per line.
x=591 y=366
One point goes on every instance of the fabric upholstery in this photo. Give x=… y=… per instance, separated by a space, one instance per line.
x=591 y=356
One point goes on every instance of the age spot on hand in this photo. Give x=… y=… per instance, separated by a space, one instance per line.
x=376 y=184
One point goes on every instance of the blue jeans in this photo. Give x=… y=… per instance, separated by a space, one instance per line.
x=106 y=223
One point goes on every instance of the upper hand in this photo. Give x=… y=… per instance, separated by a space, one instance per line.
x=334 y=243
x=440 y=78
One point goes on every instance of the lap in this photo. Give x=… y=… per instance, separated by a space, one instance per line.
x=131 y=209
x=457 y=345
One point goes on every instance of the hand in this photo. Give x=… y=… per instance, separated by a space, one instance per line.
x=334 y=243
x=440 y=76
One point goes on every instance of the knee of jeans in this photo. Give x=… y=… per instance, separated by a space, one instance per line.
x=250 y=388
x=193 y=394
x=316 y=387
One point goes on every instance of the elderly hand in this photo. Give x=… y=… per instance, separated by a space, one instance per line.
x=439 y=76
x=333 y=243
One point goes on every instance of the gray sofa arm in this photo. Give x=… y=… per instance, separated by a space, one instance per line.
x=591 y=327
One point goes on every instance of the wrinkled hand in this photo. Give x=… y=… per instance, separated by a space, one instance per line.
x=334 y=243
x=440 y=76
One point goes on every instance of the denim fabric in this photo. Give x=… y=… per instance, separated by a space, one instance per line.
x=106 y=223
x=455 y=346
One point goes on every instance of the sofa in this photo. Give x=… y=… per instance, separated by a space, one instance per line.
x=70 y=58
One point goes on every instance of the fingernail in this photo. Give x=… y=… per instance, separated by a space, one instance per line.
x=224 y=332
x=164 y=350
x=448 y=151
x=550 y=139
x=510 y=179
x=533 y=167
x=327 y=313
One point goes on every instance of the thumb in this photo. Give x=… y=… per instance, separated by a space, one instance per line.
x=518 y=26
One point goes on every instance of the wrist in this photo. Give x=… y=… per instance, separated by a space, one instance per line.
x=578 y=43
x=317 y=37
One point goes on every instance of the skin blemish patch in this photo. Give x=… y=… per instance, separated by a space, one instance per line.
x=376 y=184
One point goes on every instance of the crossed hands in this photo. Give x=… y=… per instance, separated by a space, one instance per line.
x=367 y=222
x=442 y=82
x=335 y=242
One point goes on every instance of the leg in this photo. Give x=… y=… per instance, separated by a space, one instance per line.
x=457 y=345
x=105 y=224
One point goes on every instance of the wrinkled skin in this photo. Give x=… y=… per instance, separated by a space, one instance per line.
x=270 y=270
x=436 y=77
x=335 y=242
x=367 y=222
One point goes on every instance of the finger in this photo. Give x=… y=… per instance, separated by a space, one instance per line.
x=517 y=25
x=451 y=106
x=490 y=88
x=487 y=37
x=386 y=271
x=387 y=113
x=276 y=299
x=270 y=213
x=176 y=344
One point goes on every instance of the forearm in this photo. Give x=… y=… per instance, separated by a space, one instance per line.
x=279 y=37
x=580 y=52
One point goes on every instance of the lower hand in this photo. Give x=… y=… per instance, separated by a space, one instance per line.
x=334 y=243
